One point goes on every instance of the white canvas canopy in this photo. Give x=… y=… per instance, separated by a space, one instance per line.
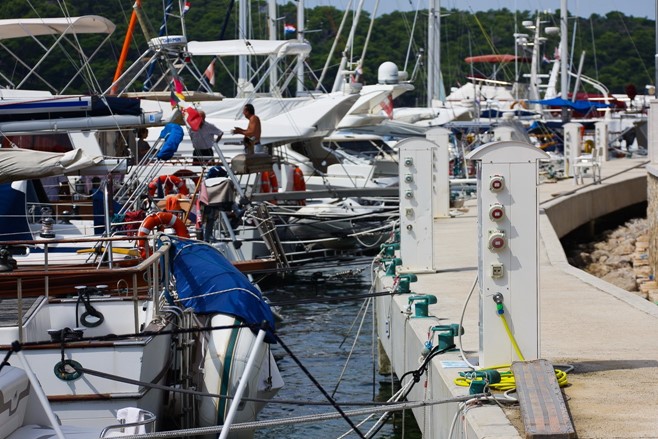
x=248 y=47
x=28 y=27
x=25 y=164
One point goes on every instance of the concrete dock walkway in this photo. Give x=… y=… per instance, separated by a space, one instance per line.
x=608 y=335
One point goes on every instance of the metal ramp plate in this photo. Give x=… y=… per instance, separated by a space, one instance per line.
x=543 y=409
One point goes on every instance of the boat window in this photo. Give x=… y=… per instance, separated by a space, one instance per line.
x=40 y=142
x=365 y=148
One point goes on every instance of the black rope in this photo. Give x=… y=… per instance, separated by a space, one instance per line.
x=153 y=385
x=319 y=386
x=15 y=347
x=417 y=374
x=326 y=299
x=90 y=311
x=115 y=337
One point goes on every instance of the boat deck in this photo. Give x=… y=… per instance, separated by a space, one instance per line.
x=607 y=334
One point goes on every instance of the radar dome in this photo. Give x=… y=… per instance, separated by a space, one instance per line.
x=388 y=73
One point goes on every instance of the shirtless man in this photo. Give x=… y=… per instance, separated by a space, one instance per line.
x=252 y=133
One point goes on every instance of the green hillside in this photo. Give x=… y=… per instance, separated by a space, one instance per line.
x=619 y=50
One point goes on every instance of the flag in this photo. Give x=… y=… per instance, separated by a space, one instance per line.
x=356 y=76
x=177 y=99
x=191 y=116
x=186 y=7
x=387 y=106
x=289 y=29
x=209 y=73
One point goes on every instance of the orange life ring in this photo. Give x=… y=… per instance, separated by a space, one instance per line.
x=298 y=183
x=168 y=184
x=160 y=219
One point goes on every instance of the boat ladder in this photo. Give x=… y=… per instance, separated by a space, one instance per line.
x=267 y=230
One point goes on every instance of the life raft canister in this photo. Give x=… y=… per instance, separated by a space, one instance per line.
x=166 y=184
x=160 y=219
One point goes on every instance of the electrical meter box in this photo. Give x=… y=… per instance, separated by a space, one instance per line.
x=508 y=256
x=424 y=196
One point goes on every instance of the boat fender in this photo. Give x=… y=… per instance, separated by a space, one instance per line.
x=160 y=219
x=298 y=183
x=268 y=182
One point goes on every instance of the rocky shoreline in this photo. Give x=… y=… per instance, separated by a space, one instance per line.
x=621 y=259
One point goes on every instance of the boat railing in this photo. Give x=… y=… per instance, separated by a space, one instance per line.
x=145 y=418
x=138 y=279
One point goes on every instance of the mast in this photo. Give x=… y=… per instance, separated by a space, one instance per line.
x=433 y=51
x=340 y=75
x=272 y=22
x=242 y=34
x=300 y=38
x=564 y=92
x=126 y=46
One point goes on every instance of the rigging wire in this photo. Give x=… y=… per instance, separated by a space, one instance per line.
x=319 y=386
x=356 y=339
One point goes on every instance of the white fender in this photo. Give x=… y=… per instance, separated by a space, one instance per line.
x=226 y=356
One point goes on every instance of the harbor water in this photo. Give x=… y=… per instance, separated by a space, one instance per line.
x=322 y=336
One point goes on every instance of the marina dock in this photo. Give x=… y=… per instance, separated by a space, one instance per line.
x=608 y=335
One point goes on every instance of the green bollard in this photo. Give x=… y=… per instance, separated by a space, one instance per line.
x=422 y=303
x=447 y=334
x=404 y=285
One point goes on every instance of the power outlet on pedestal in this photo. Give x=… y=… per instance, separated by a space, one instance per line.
x=497 y=271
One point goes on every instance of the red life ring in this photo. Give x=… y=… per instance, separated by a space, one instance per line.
x=298 y=183
x=160 y=219
x=168 y=184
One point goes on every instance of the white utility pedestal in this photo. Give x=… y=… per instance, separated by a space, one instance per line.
x=601 y=140
x=653 y=132
x=508 y=243
x=573 y=146
x=424 y=195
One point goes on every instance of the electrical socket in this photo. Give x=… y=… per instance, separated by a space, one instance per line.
x=497 y=270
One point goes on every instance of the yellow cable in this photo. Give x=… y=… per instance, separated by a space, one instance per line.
x=511 y=337
x=507 y=381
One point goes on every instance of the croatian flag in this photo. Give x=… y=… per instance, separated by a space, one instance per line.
x=186 y=7
x=289 y=29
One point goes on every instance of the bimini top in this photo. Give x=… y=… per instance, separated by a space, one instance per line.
x=248 y=47
x=29 y=27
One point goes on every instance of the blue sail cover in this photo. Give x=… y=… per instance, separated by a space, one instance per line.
x=208 y=283
x=580 y=106
x=13 y=216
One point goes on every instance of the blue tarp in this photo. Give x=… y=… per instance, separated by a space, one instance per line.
x=208 y=283
x=580 y=106
x=172 y=135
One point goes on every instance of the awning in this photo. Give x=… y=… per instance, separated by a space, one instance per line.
x=28 y=27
